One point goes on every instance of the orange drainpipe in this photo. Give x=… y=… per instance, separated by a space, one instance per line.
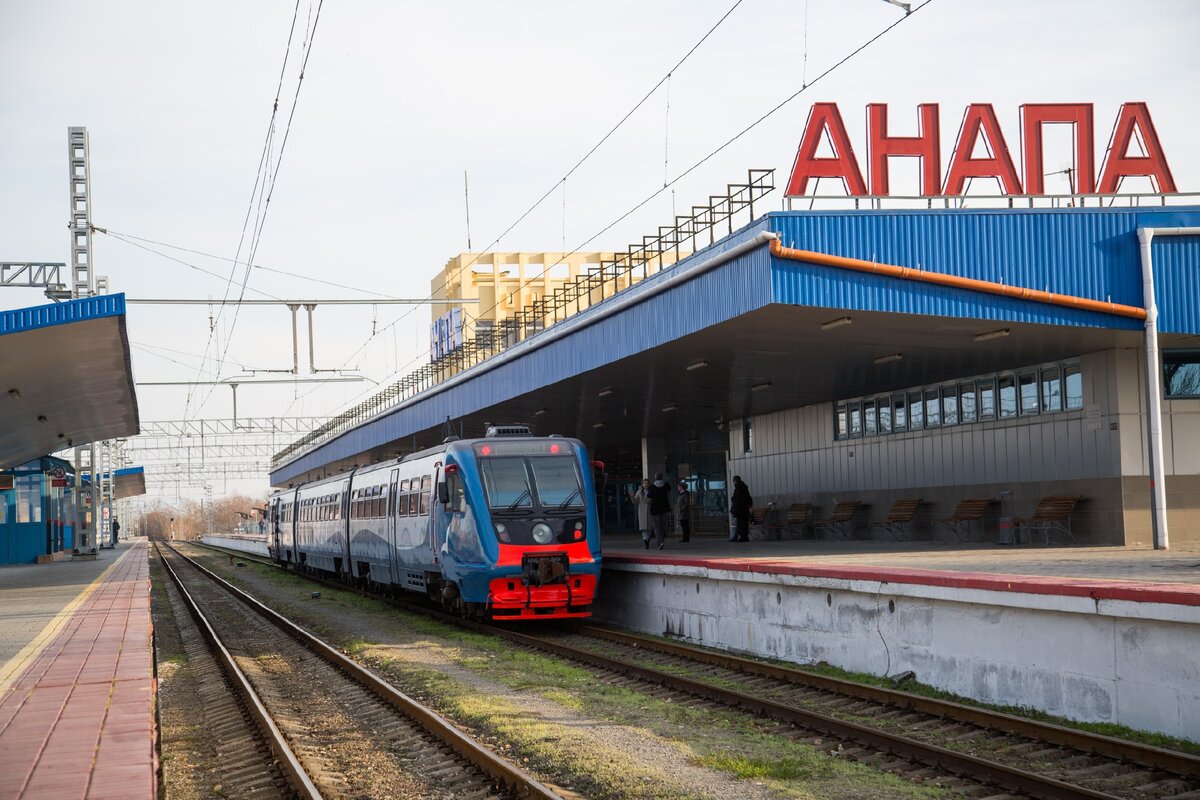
x=954 y=281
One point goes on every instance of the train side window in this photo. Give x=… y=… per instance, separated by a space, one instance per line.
x=426 y=485
x=454 y=488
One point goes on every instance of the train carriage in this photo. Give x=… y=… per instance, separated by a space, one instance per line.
x=505 y=526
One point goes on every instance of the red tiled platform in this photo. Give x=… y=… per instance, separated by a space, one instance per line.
x=79 y=721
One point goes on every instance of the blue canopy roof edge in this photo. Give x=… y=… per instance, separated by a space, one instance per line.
x=1086 y=252
x=129 y=471
x=85 y=308
x=974 y=243
x=597 y=337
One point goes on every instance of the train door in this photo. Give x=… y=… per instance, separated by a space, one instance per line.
x=274 y=546
x=437 y=515
x=392 y=507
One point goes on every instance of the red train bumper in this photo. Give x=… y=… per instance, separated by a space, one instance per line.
x=511 y=599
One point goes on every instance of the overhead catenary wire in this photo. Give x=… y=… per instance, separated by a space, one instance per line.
x=259 y=180
x=270 y=192
x=125 y=237
x=562 y=181
x=758 y=121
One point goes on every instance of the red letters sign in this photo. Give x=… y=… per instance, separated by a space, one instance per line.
x=980 y=131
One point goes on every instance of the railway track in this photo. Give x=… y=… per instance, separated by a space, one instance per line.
x=889 y=729
x=335 y=728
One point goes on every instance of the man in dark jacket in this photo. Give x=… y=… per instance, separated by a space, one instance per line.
x=660 y=509
x=739 y=507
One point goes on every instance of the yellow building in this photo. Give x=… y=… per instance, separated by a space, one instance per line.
x=542 y=288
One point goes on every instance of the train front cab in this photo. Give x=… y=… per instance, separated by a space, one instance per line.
x=522 y=532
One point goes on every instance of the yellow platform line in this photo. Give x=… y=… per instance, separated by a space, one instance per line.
x=15 y=666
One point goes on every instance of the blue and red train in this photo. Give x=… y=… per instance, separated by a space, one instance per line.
x=503 y=527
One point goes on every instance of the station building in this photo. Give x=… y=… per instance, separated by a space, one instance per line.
x=786 y=353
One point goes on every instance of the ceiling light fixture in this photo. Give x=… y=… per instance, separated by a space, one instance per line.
x=889 y=358
x=605 y=392
x=669 y=407
x=697 y=365
x=999 y=334
x=539 y=412
x=836 y=323
x=760 y=387
x=597 y=424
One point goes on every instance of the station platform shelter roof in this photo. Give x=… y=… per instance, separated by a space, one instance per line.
x=65 y=377
x=736 y=330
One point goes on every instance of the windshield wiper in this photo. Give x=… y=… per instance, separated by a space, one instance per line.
x=570 y=497
x=513 y=506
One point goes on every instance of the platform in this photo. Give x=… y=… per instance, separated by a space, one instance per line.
x=1005 y=567
x=77 y=684
x=1088 y=633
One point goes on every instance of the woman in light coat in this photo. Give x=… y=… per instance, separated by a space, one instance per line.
x=641 y=499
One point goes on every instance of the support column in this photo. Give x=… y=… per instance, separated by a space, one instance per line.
x=654 y=456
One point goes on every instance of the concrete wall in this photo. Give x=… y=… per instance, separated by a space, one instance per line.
x=1097 y=452
x=254 y=545
x=1099 y=661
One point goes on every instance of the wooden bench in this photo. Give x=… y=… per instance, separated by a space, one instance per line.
x=966 y=513
x=841 y=521
x=763 y=522
x=901 y=514
x=1052 y=514
x=798 y=519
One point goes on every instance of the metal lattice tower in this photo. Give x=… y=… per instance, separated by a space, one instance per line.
x=83 y=281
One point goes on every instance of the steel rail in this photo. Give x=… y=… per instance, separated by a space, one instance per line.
x=962 y=764
x=503 y=771
x=288 y=762
x=1111 y=747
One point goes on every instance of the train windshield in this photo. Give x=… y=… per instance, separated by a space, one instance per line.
x=520 y=483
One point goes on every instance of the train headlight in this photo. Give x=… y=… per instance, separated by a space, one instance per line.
x=542 y=533
x=502 y=532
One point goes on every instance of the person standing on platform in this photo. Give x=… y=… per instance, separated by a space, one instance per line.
x=683 y=512
x=739 y=507
x=116 y=529
x=660 y=508
x=641 y=499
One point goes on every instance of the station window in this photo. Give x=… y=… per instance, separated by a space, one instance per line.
x=1046 y=389
x=1181 y=373
x=916 y=411
x=1073 y=381
x=987 y=398
x=1029 y=392
x=1051 y=390
x=949 y=405
x=747 y=436
x=933 y=410
x=967 y=403
x=1008 y=396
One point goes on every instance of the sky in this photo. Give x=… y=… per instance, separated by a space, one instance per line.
x=398 y=99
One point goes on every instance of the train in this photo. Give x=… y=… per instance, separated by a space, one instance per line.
x=503 y=527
